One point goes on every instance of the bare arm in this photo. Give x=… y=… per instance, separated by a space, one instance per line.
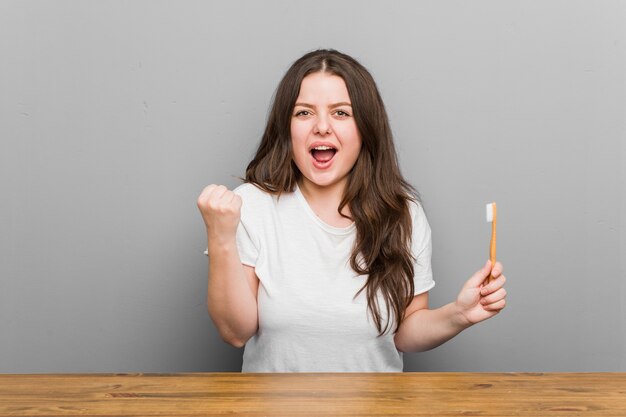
x=232 y=295
x=232 y=289
x=423 y=329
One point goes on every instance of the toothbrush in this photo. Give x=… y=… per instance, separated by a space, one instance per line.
x=492 y=217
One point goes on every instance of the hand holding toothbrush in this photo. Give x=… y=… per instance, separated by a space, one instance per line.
x=479 y=300
x=483 y=295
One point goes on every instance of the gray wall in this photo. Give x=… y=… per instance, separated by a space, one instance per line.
x=114 y=116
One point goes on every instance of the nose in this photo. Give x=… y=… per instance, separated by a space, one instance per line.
x=322 y=126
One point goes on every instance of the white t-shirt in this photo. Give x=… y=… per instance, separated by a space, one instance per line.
x=308 y=319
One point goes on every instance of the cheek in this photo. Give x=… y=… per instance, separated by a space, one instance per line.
x=349 y=136
x=297 y=142
x=355 y=149
x=298 y=132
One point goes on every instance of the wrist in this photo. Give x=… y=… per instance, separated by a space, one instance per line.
x=221 y=244
x=459 y=318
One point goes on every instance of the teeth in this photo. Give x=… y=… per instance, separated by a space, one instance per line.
x=322 y=148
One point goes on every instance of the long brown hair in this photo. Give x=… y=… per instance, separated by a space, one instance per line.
x=377 y=194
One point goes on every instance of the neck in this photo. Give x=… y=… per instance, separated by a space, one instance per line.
x=323 y=196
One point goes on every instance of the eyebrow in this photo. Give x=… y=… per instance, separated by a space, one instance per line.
x=311 y=106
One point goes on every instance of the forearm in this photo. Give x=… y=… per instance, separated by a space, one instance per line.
x=231 y=302
x=426 y=329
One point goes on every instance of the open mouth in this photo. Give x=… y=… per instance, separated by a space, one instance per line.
x=323 y=154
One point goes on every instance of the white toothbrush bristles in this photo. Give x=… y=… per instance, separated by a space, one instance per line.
x=489 y=212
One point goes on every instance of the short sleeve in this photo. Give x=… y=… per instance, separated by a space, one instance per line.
x=421 y=247
x=248 y=252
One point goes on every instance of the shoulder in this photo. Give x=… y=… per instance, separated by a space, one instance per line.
x=247 y=188
x=421 y=228
x=250 y=192
x=254 y=199
x=417 y=211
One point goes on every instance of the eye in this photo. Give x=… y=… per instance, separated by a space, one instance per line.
x=342 y=113
x=302 y=113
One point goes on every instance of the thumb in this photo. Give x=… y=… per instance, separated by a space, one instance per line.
x=479 y=276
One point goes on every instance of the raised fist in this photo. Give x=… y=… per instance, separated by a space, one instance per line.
x=221 y=211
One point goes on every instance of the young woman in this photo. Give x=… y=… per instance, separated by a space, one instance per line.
x=321 y=260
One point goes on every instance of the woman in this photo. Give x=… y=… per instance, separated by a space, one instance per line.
x=320 y=261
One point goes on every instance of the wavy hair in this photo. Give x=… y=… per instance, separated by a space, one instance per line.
x=377 y=195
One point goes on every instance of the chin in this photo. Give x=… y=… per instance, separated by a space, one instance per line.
x=323 y=182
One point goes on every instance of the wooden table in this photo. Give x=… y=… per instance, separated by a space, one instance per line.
x=329 y=394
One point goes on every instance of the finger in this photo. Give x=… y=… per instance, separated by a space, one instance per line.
x=229 y=201
x=218 y=192
x=496 y=271
x=225 y=198
x=497 y=306
x=479 y=276
x=204 y=197
x=493 y=286
x=238 y=201
x=232 y=199
x=494 y=297
x=206 y=192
